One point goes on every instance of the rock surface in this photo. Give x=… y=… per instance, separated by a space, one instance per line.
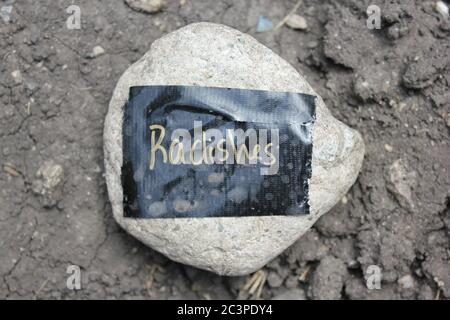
x=96 y=52
x=402 y=182
x=48 y=181
x=208 y=54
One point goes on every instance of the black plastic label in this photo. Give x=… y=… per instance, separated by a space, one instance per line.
x=216 y=152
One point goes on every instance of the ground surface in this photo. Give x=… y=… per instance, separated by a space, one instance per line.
x=390 y=84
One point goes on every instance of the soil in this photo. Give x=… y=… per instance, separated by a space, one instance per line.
x=391 y=84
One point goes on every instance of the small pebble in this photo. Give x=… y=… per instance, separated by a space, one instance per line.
x=439 y=282
x=47 y=184
x=17 y=75
x=51 y=173
x=297 y=22
x=388 y=147
x=97 y=51
x=442 y=8
x=149 y=6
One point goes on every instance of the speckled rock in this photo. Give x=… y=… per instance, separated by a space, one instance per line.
x=206 y=54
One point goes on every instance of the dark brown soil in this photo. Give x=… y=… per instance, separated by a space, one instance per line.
x=390 y=84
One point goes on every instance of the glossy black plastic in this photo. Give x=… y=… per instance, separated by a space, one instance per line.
x=219 y=189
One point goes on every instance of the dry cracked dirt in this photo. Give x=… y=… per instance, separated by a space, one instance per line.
x=391 y=84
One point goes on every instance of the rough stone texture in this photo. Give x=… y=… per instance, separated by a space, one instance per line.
x=208 y=54
x=48 y=179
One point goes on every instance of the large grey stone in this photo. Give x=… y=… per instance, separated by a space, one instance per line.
x=206 y=54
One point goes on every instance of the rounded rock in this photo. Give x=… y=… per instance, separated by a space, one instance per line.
x=212 y=55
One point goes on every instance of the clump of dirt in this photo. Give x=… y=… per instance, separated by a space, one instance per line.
x=391 y=84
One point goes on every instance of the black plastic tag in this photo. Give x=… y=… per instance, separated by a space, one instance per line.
x=216 y=152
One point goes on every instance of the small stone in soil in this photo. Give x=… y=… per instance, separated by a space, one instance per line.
x=402 y=182
x=17 y=76
x=149 y=6
x=97 y=51
x=442 y=8
x=297 y=22
x=388 y=147
x=47 y=183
